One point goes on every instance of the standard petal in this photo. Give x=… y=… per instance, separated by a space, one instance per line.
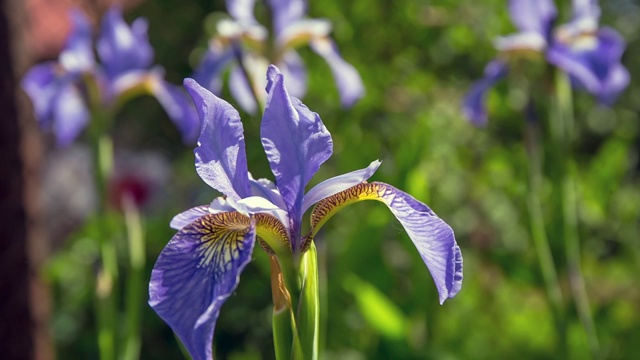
x=70 y=114
x=122 y=47
x=296 y=143
x=221 y=160
x=533 y=15
x=284 y=12
x=295 y=74
x=42 y=85
x=212 y=65
x=345 y=75
x=241 y=10
x=432 y=237
x=187 y=217
x=473 y=105
x=78 y=53
x=196 y=273
x=338 y=183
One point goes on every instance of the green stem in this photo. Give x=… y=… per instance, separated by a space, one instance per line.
x=285 y=333
x=135 y=279
x=308 y=312
x=539 y=235
x=562 y=131
x=108 y=274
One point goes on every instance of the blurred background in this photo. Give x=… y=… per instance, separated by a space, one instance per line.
x=417 y=59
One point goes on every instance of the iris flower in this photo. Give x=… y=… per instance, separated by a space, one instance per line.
x=588 y=54
x=241 y=40
x=201 y=265
x=66 y=93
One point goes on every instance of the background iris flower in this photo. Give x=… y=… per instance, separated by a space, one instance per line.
x=588 y=54
x=200 y=267
x=67 y=93
x=247 y=47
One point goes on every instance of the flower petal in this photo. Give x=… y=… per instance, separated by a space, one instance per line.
x=294 y=72
x=179 y=108
x=187 y=217
x=240 y=89
x=433 y=238
x=285 y=12
x=221 y=160
x=212 y=65
x=338 y=183
x=241 y=10
x=42 y=84
x=533 y=15
x=594 y=63
x=296 y=143
x=122 y=47
x=345 y=75
x=78 y=53
x=473 y=104
x=70 y=113
x=195 y=274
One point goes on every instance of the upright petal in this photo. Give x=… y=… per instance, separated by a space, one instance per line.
x=214 y=62
x=473 y=105
x=221 y=160
x=240 y=89
x=77 y=55
x=432 y=237
x=241 y=10
x=41 y=83
x=345 y=75
x=285 y=12
x=296 y=143
x=122 y=47
x=533 y=15
x=295 y=74
x=196 y=273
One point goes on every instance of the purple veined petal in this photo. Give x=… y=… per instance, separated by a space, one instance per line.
x=179 y=107
x=214 y=62
x=296 y=143
x=432 y=237
x=70 y=113
x=188 y=216
x=41 y=83
x=122 y=47
x=241 y=10
x=594 y=63
x=294 y=72
x=78 y=53
x=285 y=12
x=473 y=104
x=533 y=15
x=345 y=75
x=221 y=160
x=197 y=272
x=339 y=183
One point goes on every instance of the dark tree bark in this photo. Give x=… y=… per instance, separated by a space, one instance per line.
x=23 y=298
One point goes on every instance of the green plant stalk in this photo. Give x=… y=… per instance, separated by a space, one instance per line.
x=562 y=132
x=135 y=279
x=108 y=274
x=308 y=312
x=539 y=235
x=285 y=334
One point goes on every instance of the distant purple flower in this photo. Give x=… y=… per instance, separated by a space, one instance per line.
x=590 y=55
x=65 y=92
x=201 y=265
x=243 y=37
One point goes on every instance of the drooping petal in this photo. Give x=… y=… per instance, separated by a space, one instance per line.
x=70 y=113
x=593 y=62
x=188 y=216
x=195 y=274
x=338 y=183
x=122 y=47
x=296 y=143
x=77 y=55
x=345 y=75
x=285 y=12
x=432 y=237
x=221 y=160
x=214 y=62
x=533 y=15
x=41 y=84
x=473 y=105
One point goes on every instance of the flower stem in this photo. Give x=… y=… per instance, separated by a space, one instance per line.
x=308 y=313
x=539 y=235
x=562 y=132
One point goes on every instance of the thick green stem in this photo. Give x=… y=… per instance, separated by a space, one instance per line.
x=285 y=334
x=562 y=131
x=539 y=235
x=308 y=312
x=135 y=279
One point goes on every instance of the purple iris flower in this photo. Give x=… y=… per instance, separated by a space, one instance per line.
x=200 y=266
x=66 y=92
x=588 y=54
x=242 y=38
